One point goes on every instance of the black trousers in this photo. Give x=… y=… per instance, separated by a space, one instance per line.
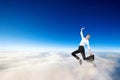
x=79 y=50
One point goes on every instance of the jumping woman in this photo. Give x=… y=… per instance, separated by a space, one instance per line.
x=81 y=49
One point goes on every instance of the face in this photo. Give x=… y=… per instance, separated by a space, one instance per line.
x=88 y=36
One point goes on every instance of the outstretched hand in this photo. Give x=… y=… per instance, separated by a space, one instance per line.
x=82 y=28
x=91 y=54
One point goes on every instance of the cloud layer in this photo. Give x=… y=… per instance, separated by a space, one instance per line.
x=52 y=66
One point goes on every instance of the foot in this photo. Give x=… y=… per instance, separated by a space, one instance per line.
x=80 y=61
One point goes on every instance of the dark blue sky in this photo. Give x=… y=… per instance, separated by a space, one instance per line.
x=58 y=22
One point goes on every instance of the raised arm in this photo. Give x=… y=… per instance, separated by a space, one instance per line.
x=81 y=33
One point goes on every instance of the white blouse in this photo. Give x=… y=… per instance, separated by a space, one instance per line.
x=84 y=41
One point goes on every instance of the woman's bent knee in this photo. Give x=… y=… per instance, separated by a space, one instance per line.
x=72 y=54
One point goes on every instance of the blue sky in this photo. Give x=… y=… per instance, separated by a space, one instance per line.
x=57 y=23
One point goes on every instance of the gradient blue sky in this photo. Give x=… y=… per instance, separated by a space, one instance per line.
x=56 y=23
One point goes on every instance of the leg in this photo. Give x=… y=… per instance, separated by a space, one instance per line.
x=94 y=64
x=83 y=55
x=74 y=54
x=82 y=50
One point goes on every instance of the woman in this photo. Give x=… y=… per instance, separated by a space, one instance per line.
x=81 y=49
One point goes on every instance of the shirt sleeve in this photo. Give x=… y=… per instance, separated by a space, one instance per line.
x=81 y=33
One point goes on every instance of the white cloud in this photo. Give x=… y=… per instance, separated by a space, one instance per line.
x=52 y=66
